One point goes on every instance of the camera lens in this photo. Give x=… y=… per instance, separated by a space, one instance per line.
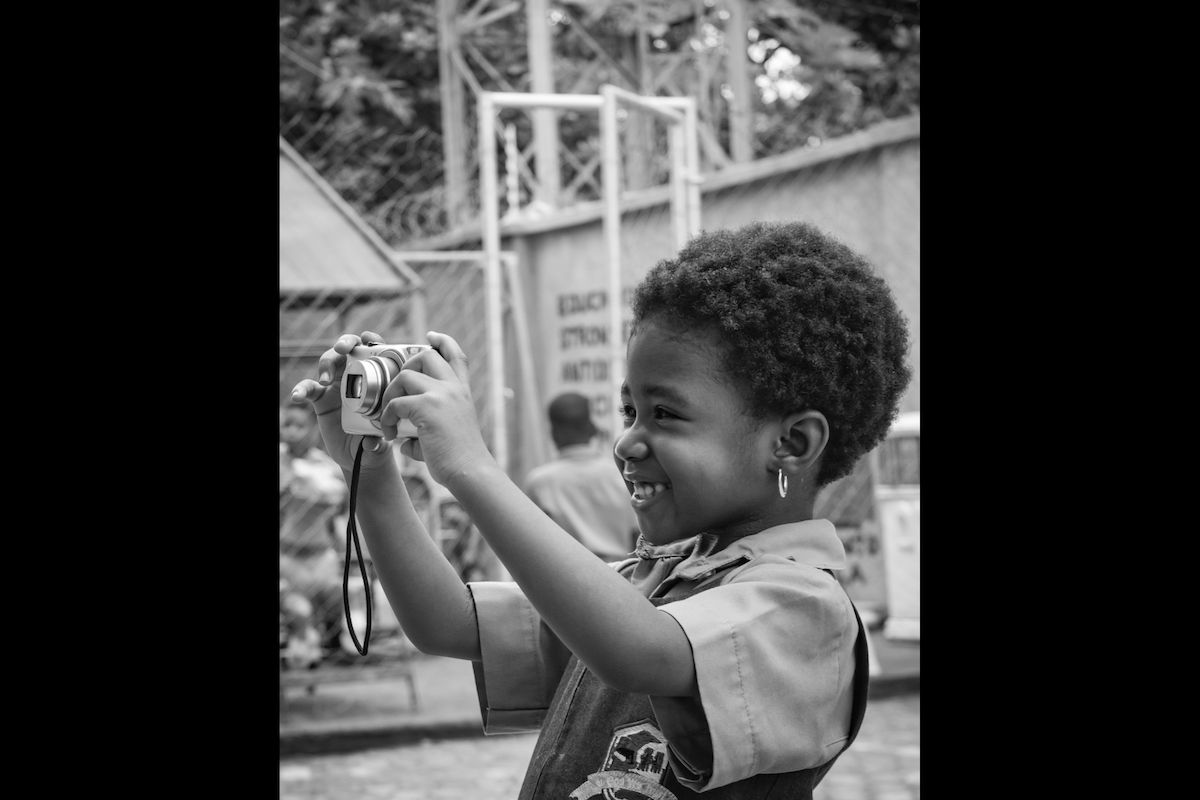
x=364 y=383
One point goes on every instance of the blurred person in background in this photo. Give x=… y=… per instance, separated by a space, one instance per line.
x=579 y=489
x=312 y=493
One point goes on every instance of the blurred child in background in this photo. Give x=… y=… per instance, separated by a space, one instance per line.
x=312 y=492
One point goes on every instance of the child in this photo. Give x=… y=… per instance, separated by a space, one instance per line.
x=723 y=657
x=311 y=494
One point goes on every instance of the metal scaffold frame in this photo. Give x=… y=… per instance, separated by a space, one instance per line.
x=680 y=114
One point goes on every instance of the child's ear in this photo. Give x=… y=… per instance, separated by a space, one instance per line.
x=802 y=439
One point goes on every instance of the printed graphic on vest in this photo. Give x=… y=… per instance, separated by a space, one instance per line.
x=634 y=768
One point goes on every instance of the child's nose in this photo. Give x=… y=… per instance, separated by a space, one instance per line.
x=629 y=447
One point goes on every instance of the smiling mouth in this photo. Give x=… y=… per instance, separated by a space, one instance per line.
x=645 y=492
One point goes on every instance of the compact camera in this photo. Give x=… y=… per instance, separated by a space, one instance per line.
x=369 y=370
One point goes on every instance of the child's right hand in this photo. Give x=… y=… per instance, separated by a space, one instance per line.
x=433 y=393
x=326 y=398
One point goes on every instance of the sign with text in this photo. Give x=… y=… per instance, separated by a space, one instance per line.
x=582 y=352
x=864 y=577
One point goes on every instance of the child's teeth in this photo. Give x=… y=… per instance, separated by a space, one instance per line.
x=648 y=490
x=645 y=491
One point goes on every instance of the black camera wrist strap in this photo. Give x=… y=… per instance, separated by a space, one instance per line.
x=352 y=531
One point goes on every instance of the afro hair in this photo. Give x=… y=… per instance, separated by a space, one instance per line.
x=804 y=324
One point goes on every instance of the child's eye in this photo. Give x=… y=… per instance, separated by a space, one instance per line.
x=627 y=413
x=662 y=413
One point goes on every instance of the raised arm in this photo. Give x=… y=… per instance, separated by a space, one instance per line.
x=619 y=634
x=433 y=606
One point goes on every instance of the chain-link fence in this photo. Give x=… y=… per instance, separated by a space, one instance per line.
x=316 y=645
x=804 y=80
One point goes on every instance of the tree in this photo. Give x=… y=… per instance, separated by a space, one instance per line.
x=359 y=94
x=358 y=97
x=858 y=64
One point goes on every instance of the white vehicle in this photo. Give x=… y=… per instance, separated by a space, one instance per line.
x=896 y=467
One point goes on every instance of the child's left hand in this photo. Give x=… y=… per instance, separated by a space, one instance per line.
x=432 y=392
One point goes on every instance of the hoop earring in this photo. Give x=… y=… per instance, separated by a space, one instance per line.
x=782 y=484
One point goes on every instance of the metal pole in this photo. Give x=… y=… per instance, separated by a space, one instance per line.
x=610 y=147
x=737 y=73
x=453 y=112
x=535 y=100
x=545 y=120
x=532 y=402
x=418 y=316
x=654 y=105
x=492 y=276
x=402 y=256
x=679 y=210
x=511 y=168
x=677 y=103
x=692 y=146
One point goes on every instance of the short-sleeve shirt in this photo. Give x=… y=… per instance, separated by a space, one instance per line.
x=311 y=491
x=772 y=636
x=583 y=492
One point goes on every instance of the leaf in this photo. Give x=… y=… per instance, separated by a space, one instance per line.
x=330 y=91
x=400 y=108
x=821 y=44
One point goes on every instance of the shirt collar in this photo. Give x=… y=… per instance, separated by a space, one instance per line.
x=813 y=542
x=577 y=451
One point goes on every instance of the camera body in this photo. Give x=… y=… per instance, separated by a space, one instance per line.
x=369 y=370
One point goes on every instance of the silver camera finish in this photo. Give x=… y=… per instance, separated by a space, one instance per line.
x=369 y=370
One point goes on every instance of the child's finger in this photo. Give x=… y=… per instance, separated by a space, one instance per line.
x=330 y=365
x=375 y=444
x=411 y=448
x=429 y=362
x=411 y=380
x=345 y=343
x=451 y=352
x=309 y=391
x=396 y=409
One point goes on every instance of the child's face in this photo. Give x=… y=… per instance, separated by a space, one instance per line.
x=296 y=428
x=687 y=437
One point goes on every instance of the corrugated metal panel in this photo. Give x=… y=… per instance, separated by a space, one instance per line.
x=319 y=249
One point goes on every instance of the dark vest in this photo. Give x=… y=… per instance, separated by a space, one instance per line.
x=599 y=743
